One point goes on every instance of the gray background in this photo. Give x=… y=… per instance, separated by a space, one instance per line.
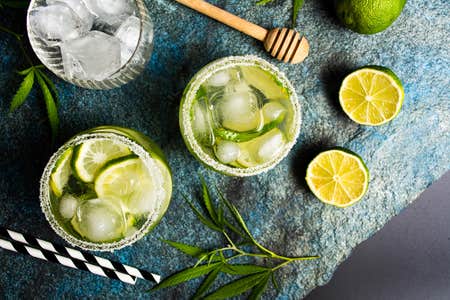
x=408 y=259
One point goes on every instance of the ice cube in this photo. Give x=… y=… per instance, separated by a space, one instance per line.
x=128 y=33
x=239 y=111
x=273 y=110
x=111 y=12
x=79 y=8
x=202 y=123
x=94 y=56
x=227 y=152
x=270 y=145
x=67 y=206
x=99 y=220
x=220 y=78
x=56 y=23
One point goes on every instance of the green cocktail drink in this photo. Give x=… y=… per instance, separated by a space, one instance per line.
x=106 y=188
x=240 y=116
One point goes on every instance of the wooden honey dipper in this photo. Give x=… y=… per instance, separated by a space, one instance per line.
x=282 y=43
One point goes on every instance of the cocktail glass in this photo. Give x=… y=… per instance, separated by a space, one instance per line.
x=105 y=188
x=51 y=55
x=240 y=116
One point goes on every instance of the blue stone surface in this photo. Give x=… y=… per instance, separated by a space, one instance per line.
x=404 y=156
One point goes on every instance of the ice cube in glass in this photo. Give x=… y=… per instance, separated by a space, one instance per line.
x=79 y=8
x=94 y=56
x=55 y=23
x=111 y=12
x=128 y=33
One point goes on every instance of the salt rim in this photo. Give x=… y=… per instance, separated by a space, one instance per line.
x=148 y=162
x=191 y=92
x=51 y=56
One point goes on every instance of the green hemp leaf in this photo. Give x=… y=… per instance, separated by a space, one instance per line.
x=251 y=278
x=32 y=75
x=297 y=5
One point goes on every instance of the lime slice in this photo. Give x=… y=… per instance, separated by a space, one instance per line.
x=238 y=137
x=338 y=177
x=61 y=173
x=91 y=155
x=245 y=159
x=127 y=179
x=264 y=81
x=371 y=95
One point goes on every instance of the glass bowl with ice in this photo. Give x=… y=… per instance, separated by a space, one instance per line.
x=96 y=44
x=105 y=188
x=240 y=116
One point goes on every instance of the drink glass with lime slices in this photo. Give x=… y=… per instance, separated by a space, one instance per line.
x=105 y=188
x=240 y=116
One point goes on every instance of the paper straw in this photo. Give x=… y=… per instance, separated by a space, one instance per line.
x=79 y=255
x=65 y=261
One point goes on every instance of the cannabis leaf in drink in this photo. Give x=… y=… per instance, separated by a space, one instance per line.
x=224 y=218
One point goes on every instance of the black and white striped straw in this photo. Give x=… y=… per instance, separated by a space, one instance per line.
x=83 y=257
x=65 y=261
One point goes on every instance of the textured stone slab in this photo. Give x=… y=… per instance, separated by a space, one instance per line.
x=404 y=157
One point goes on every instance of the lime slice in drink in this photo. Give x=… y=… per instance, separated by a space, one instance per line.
x=91 y=155
x=61 y=173
x=238 y=137
x=127 y=179
x=371 y=95
x=245 y=159
x=338 y=177
x=265 y=82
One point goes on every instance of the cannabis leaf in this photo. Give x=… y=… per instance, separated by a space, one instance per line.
x=52 y=110
x=243 y=269
x=185 y=275
x=31 y=75
x=211 y=263
x=237 y=287
x=259 y=289
x=188 y=249
x=263 y=2
x=207 y=283
x=297 y=5
x=23 y=91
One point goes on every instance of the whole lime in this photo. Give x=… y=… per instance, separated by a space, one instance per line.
x=368 y=16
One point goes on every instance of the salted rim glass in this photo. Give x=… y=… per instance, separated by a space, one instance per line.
x=153 y=160
x=52 y=59
x=188 y=100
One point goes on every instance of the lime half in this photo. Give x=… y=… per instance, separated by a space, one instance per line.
x=372 y=95
x=338 y=177
x=91 y=155
x=127 y=179
x=61 y=173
